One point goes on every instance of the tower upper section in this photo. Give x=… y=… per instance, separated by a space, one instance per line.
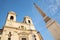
x=11 y=16
x=28 y=20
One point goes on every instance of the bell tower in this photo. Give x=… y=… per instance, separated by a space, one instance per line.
x=11 y=16
x=28 y=20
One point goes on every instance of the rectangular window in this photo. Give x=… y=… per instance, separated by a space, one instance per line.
x=9 y=38
x=23 y=38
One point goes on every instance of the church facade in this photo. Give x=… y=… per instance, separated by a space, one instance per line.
x=13 y=30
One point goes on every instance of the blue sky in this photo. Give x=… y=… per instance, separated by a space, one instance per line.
x=26 y=8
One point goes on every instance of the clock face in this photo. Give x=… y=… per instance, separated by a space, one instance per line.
x=10 y=23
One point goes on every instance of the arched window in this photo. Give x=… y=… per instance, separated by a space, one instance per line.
x=29 y=21
x=11 y=18
x=35 y=37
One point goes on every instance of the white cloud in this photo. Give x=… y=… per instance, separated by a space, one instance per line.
x=53 y=7
x=58 y=2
